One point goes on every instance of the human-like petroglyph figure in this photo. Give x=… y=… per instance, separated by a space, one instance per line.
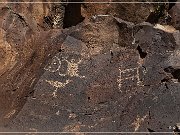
x=72 y=68
x=57 y=85
x=71 y=71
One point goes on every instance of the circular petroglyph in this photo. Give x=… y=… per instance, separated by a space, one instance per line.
x=65 y=66
x=54 y=65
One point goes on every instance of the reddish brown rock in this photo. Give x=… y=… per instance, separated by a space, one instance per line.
x=125 y=11
x=24 y=47
x=106 y=74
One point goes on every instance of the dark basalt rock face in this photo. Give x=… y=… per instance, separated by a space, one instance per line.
x=106 y=74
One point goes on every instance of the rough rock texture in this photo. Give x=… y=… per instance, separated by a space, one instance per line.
x=24 y=50
x=106 y=74
x=175 y=14
x=98 y=85
x=125 y=11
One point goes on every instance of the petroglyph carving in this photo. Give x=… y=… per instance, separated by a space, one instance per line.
x=74 y=127
x=72 y=67
x=57 y=14
x=128 y=74
x=57 y=85
x=137 y=123
x=54 y=66
x=71 y=71
x=10 y=114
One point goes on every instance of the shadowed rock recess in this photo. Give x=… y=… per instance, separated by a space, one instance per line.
x=86 y=67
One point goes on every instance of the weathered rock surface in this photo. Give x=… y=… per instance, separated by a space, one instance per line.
x=125 y=11
x=175 y=14
x=106 y=74
x=101 y=86
x=24 y=50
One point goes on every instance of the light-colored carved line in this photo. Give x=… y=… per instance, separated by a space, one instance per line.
x=139 y=82
x=120 y=79
x=59 y=65
x=137 y=123
x=129 y=69
x=132 y=77
x=57 y=85
x=138 y=78
x=10 y=114
x=72 y=69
